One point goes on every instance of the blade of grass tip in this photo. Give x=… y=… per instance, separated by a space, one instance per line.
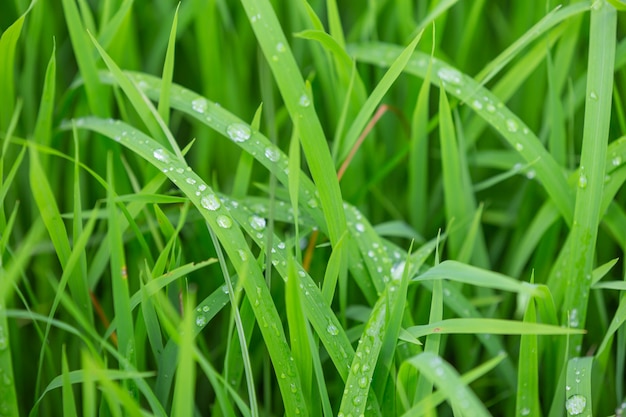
x=43 y=126
x=168 y=72
x=375 y=98
x=239 y=325
x=119 y=273
x=488 y=326
x=299 y=105
x=584 y=230
x=578 y=386
x=298 y=330
x=69 y=404
x=527 y=402
x=334 y=22
x=8 y=43
x=97 y=94
x=183 y=400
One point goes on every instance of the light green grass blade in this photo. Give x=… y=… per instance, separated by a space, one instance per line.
x=298 y=330
x=97 y=95
x=48 y=209
x=119 y=273
x=489 y=326
x=527 y=401
x=375 y=97
x=417 y=201
x=301 y=109
x=184 y=390
x=592 y=167
x=43 y=126
x=459 y=199
x=578 y=385
x=69 y=405
x=168 y=72
x=449 y=383
x=472 y=275
x=8 y=43
x=237 y=318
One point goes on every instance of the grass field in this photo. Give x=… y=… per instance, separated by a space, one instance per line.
x=322 y=208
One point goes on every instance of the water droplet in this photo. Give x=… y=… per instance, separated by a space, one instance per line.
x=573 y=318
x=201 y=321
x=477 y=105
x=294 y=388
x=161 y=155
x=359 y=227
x=257 y=223
x=271 y=153
x=582 y=181
x=363 y=382
x=491 y=108
x=616 y=161
x=449 y=75
x=224 y=222
x=531 y=174
x=210 y=202
x=593 y=95
x=332 y=330
x=576 y=404
x=200 y=105
x=190 y=181
x=242 y=254
x=238 y=132
x=304 y=101
x=357 y=400
x=398 y=270
x=511 y=125
x=280 y=47
x=312 y=203
x=519 y=147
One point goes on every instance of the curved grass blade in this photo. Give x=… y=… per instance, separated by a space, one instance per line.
x=230 y=236
x=472 y=275
x=487 y=106
x=450 y=384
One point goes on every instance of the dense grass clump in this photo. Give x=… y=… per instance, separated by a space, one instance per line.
x=268 y=208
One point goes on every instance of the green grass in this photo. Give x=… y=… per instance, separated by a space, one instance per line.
x=268 y=208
